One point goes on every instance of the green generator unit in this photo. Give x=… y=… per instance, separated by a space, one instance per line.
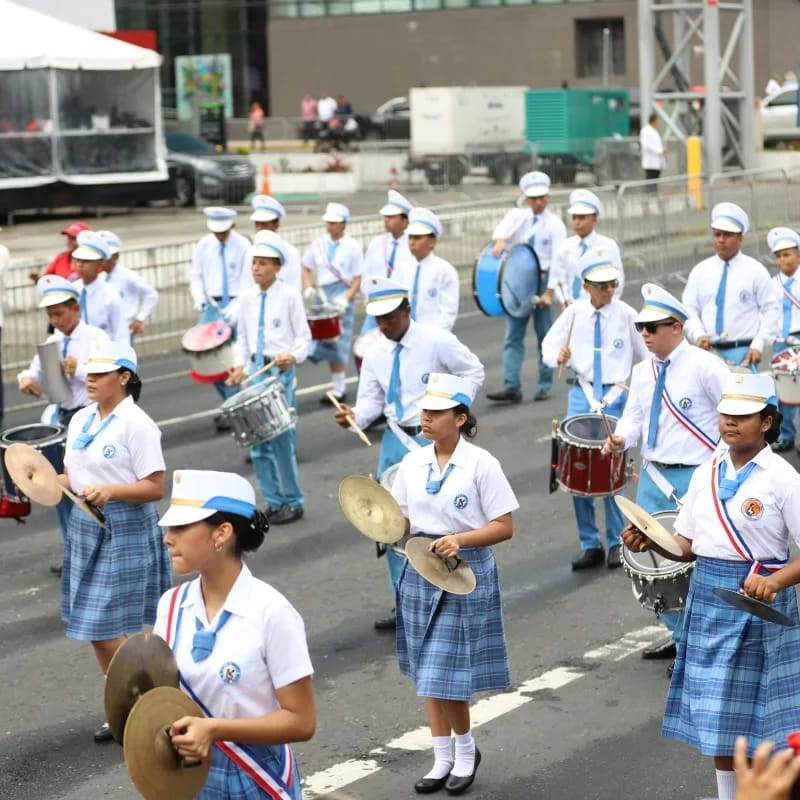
x=563 y=125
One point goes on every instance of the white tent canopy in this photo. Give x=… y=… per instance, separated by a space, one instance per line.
x=30 y=40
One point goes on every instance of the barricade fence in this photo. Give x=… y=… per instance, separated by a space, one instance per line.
x=662 y=228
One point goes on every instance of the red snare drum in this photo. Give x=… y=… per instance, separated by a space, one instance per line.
x=582 y=467
x=210 y=348
x=324 y=322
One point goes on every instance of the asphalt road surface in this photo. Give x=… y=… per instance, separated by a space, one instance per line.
x=581 y=722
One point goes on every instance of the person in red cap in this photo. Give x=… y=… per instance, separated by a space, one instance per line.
x=62 y=263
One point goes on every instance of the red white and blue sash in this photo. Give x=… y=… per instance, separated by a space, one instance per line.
x=786 y=293
x=682 y=419
x=738 y=542
x=277 y=786
x=327 y=263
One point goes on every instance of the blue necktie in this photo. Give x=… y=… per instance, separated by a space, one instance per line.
x=204 y=640
x=260 y=335
x=597 y=385
x=392 y=257
x=84 y=438
x=414 y=291
x=787 y=308
x=729 y=486
x=330 y=251
x=723 y=285
x=64 y=346
x=655 y=406
x=84 y=306
x=393 y=393
x=577 y=281
x=226 y=294
x=532 y=237
x=433 y=486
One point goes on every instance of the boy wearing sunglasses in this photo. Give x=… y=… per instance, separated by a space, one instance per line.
x=672 y=409
x=596 y=337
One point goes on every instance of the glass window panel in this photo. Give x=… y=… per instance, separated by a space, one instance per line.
x=394 y=6
x=519 y=2
x=283 y=8
x=25 y=124
x=367 y=6
x=457 y=3
x=312 y=8
x=488 y=2
x=427 y=5
x=591 y=44
x=340 y=7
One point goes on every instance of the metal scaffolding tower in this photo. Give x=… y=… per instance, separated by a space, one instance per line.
x=703 y=83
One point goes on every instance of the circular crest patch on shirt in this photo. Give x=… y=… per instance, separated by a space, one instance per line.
x=685 y=403
x=230 y=672
x=433 y=291
x=752 y=508
x=460 y=501
x=744 y=296
x=276 y=323
x=425 y=377
x=109 y=451
x=618 y=344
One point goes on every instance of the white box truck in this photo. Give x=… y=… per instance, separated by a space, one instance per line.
x=455 y=128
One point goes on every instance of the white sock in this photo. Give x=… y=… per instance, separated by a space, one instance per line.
x=337 y=379
x=443 y=757
x=465 y=755
x=726 y=785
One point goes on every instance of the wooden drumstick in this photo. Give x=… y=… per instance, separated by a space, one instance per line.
x=565 y=297
x=338 y=406
x=606 y=422
x=569 y=337
x=268 y=366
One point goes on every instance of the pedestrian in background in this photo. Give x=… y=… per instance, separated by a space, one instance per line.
x=62 y=264
x=256 y=125
x=653 y=150
x=308 y=115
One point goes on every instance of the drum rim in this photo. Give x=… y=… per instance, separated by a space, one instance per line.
x=680 y=567
x=59 y=434
x=475 y=297
x=578 y=440
x=323 y=313
x=501 y=270
x=250 y=393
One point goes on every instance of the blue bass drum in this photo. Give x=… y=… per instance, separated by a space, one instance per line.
x=506 y=284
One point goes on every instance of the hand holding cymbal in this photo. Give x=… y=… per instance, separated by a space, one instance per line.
x=33 y=474
x=661 y=540
x=449 y=574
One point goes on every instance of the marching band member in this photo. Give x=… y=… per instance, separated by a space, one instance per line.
x=240 y=645
x=785 y=244
x=273 y=327
x=600 y=349
x=542 y=230
x=59 y=298
x=338 y=261
x=432 y=281
x=219 y=273
x=101 y=306
x=139 y=298
x=672 y=409
x=453 y=645
x=393 y=380
x=736 y=674
x=114 y=576
x=733 y=305
x=564 y=279
x=267 y=215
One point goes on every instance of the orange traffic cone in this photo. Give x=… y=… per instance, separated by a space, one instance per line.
x=265 y=187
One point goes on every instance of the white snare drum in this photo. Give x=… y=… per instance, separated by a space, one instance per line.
x=210 y=348
x=786 y=371
x=658 y=583
x=366 y=342
x=258 y=413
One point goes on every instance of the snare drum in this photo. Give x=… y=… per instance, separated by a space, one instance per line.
x=324 y=322
x=49 y=440
x=210 y=348
x=658 y=583
x=506 y=284
x=364 y=343
x=258 y=413
x=785 y=370
x=582 y=468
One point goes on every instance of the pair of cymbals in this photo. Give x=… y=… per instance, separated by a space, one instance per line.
x=371 y=509
x=662 y=540
x=449 y=574
x=36 y=478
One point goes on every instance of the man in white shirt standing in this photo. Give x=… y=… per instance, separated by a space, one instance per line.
x=542 y=230
x=653 y=150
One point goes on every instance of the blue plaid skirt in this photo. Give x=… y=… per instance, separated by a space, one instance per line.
x=111 y=582
x=450 y=645
x=336 y=351
x=735 y=674
x=227 y=781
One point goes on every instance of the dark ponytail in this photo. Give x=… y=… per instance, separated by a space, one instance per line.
x=134 y=385
x=469 y=429
x=249 y=533
x=773 y=433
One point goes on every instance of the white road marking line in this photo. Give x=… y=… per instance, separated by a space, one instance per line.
x=486 y=710
x=545 y=438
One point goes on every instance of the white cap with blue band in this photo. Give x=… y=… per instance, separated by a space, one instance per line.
x=198 y=494
x=596 y=267
x=782 y=239
x=747 y=393
x=660 y=305
x=383 y=295
x=267 y=244
x=53 y=289
x=109 y=356
x=219 y=219
x=534 y=184
x=423 y=222
x=266 y=209
x=730 y=218
x=447 y=391
x=91 y=247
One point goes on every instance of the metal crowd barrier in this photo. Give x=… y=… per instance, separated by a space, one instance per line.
x=661 y=228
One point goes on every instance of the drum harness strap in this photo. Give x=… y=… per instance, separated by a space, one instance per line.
x=328 y=263
x=608 y=399
x=786 y=293
x=664 y=486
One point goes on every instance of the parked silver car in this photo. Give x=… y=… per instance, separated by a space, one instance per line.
x=779 y=117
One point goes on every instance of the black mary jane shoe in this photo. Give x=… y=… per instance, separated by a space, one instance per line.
x=430 y=785
x=103 y=733
x=457 y=784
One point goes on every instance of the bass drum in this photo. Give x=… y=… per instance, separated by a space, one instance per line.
x=506 y=284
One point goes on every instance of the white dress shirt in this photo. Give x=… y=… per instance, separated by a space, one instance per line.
x=205 y=272
x=379 y=250
x=103 y=309
x=792 y=295
x=285 y=324
x=621 y=343
x=426 y=349
x=652 y=147
x=126 y=450
x=694 y=381
x=346 y=264
x=752 y=306
x=260 y=649
x=79 y=347
x=138 y=297
x=477 y=480
x=437 y=290
x=765 y=509
x=547 y=229
x=564 y=269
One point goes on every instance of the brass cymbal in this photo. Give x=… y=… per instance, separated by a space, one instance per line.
x=371 y=509
x=450 y=574
x=752 y=606
x=153 y=764
x=33 y=474
x=141 y=664
x=650 y=527
x=84 y=505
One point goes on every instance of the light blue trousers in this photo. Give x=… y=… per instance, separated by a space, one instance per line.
x=514 y=348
